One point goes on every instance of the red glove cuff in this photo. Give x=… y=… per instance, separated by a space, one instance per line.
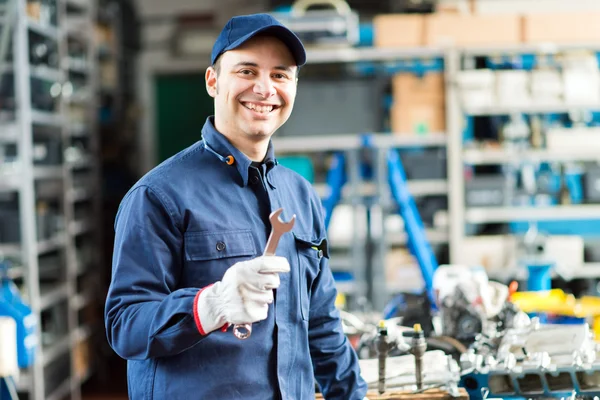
x=197 y=317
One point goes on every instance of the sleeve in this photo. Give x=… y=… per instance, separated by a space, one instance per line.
x=145 y=315
x=334 y=360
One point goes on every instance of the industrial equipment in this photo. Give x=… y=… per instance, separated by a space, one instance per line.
x=337 y=26
x=533 y=361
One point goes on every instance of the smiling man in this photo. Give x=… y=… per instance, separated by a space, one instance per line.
x=187 y=261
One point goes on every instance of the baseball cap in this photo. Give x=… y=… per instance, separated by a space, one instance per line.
x=241 y=28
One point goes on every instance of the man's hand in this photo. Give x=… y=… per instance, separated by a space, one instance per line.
x=242 y=296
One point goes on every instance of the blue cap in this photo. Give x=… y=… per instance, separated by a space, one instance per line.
x=239 y=29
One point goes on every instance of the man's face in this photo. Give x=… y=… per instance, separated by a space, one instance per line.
x=254 y=89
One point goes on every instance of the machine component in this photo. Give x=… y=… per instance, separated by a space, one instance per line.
x=533 y=361
x=417 y=349
x=337 y=26
x=382 y=350
x=470 y=304
x=278 y=228
x=438 y=371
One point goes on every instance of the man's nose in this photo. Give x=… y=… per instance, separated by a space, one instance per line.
x=264 y=87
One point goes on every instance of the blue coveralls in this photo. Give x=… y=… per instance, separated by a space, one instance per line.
x=179 y=229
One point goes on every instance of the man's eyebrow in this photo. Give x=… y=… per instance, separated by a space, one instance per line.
x=246 y=64
x=255 y=65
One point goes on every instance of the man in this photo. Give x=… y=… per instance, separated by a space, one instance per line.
x=187 y=261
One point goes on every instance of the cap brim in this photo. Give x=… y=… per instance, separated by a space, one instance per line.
x=282 y=33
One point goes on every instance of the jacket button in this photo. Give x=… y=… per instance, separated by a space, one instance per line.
x=320 y=254
x=254 y=180
x=220 y=246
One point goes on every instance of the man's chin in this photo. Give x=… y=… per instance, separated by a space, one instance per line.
x=260 y=132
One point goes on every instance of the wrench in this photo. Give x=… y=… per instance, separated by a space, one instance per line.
x=278 y=228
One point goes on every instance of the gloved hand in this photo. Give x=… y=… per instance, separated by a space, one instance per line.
x=242 y=296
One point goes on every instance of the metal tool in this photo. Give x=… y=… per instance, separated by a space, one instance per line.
x=418 y=349
x=382 y=351
x=278 y=228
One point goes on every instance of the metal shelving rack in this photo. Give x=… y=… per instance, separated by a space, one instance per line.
x=356 y=189
x=451 y=222
x=54 y=305
x=458 y=155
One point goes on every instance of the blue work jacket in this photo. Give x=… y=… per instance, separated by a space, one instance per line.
x=178 y=230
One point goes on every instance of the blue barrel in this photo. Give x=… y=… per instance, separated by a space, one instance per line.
x=11 y=305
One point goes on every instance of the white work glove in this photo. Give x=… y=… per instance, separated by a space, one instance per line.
x=243 y=295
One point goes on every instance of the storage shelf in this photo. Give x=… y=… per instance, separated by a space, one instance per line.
x=16 y=272
x=61 y=391
x=77 y=129
x=503 y=156
x=9 y=132
x=75 y=195
x=79 y=66
x=11 y=181
x=347 y=55
x=416 y=187
x=81 y=4
x=46 y=73
x=52 y=295
x=50 y=32
x=529 y=48
x=56 y=350
x=549 y=213
x=77 y=228
x=81 y=333
x=47 y=118
x=48 y=172
x=48 y=245
x=76 y=27
x=83 y=162
x=81 y=300
x=341 y=142
x=531 y=109
x=10 y=250
x=434 y=236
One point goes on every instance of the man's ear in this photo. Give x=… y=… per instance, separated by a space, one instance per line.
x=211 y=81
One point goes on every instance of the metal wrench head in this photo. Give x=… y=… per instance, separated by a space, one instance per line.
x=278 y=224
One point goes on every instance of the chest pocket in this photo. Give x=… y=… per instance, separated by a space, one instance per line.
x=209 y=254
x=310 y=251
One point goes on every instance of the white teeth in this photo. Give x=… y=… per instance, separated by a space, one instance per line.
x=258 y=108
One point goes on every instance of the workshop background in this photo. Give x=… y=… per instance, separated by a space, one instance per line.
x=493 y=107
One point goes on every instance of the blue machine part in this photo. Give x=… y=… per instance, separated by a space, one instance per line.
x=482 y=386
x=539 y=277
x=11 y=305
x=417 y=241
x=336 y=178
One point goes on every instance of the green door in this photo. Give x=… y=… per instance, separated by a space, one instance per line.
x=182 y=106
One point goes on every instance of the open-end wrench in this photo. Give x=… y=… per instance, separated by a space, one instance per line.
x=278 y=228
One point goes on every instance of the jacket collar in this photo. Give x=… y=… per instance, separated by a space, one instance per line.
x=218 y=143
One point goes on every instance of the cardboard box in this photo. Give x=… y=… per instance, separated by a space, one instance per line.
x=454 y=6
x=418 y=118
x=402 y=271
x=419 y=103
x=534 y=6
x=399 y=30
x=472 y=30
x=407 y=87
x=566 y=27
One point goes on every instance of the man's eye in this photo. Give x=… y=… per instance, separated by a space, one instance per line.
x=279 y=76
x=245 y=72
